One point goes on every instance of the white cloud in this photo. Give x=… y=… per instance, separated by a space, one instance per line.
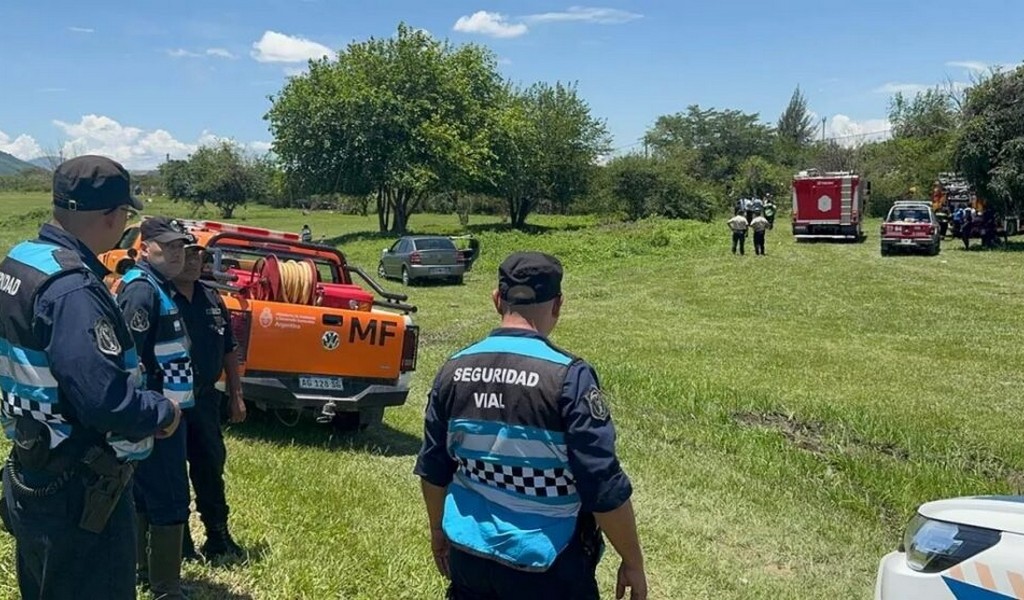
x=276 y=47
x=491 y=24
x=82 y=29
x=903 y=88
x=24 y=146
x=182 y=53
x=219 y=52
x=603 y=16
x=260 y=147
x=970 y=65
x=848 y=132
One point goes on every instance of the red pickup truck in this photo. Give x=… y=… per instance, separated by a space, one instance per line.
x=912 y=226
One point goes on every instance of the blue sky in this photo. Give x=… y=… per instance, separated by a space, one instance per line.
x=139 y=80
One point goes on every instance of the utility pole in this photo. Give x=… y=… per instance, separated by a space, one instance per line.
x=823 y=119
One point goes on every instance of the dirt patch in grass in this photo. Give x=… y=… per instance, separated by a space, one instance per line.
x=816 y=436
x=820 y=439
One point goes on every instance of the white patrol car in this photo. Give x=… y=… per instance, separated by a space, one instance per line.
x=969 y=548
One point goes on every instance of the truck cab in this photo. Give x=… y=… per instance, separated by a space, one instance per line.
x=310 y=339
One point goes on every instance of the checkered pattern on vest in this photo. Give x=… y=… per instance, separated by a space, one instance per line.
x=542 y=483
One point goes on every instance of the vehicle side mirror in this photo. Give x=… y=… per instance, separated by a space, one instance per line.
x=383 y=251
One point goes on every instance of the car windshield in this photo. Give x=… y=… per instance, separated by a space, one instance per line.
x=439 y=243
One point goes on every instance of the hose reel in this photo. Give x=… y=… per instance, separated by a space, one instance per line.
x=289 y=281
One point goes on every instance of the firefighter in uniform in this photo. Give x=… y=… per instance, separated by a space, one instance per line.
x=213 y=352
x=73 y=403
x=161 y=482
x=518 y=465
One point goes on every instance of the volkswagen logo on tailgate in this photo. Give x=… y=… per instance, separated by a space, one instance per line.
x=330 y=340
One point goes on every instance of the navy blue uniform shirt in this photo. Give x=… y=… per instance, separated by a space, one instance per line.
x=95 y=384
x=600 y=481
x=206 y=320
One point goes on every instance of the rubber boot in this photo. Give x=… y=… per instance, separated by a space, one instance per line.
x=141 y=550
x=165 y=562
x=188 y=547
x=219 y=543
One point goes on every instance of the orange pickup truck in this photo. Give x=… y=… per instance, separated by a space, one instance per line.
x=310 y=339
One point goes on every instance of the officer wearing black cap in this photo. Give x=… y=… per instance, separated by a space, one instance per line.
x=73 y=403
x=518 y=465
x=161 y=482
x=213 y=352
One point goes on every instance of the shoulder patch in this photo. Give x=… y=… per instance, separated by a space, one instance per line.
x=106 y=337
x=139 y=321
x=596 y=403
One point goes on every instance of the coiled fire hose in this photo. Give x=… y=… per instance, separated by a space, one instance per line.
x=290 y=281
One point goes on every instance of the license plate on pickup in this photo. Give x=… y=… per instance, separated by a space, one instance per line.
x=321 y=383
x=439 y=271
x=906 y=242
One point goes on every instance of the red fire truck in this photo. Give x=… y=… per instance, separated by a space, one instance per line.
x=829 y=205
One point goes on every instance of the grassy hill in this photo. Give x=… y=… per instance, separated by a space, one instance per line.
x=11 y=165
x=780 y=416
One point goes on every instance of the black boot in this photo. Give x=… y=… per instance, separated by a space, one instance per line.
x=188 y=547
x=165 y=562
x=219 y=543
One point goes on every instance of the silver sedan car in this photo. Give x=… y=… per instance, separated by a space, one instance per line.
x=422 y=258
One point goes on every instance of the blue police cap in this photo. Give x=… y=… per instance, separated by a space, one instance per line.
x=529 y=278
x=90 y=182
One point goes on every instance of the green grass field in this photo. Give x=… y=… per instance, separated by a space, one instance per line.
x=780 y=416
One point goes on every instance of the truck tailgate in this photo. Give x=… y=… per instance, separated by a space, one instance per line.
x=312 y=340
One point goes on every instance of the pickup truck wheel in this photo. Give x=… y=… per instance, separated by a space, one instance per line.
x=885 y=251
x=458 y=280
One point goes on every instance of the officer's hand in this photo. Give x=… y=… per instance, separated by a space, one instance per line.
x=439 y=547
x=237 y=409
x=633 y=578
x=170 y=429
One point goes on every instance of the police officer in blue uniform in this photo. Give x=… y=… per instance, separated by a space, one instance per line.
x=161 y=482
x=213 y=352
x=518 y=465
x=72 y=397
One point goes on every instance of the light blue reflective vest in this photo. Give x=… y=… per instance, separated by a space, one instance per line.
x=172 y=343
x=29 y=388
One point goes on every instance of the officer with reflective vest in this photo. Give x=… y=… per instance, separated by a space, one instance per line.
x=518 y=466
x=73 y=403
x=161 y=482
x=214 y=351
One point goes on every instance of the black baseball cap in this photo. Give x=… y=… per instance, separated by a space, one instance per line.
x=163 y=230
x=90 y=182
x=529 y=278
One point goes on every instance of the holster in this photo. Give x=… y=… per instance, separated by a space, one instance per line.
x=590 y=536
x=106 y=481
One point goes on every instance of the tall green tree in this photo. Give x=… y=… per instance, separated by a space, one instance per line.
x=796 y=125
x=223 y=174
x=930 y=113
x=990 y=148
x=401 y=117
x=545 y=143
x=722 y=139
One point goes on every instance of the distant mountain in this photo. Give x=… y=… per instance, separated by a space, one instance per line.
x=44 y=162
x=10 y=165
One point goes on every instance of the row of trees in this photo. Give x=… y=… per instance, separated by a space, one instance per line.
x=411 y=123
